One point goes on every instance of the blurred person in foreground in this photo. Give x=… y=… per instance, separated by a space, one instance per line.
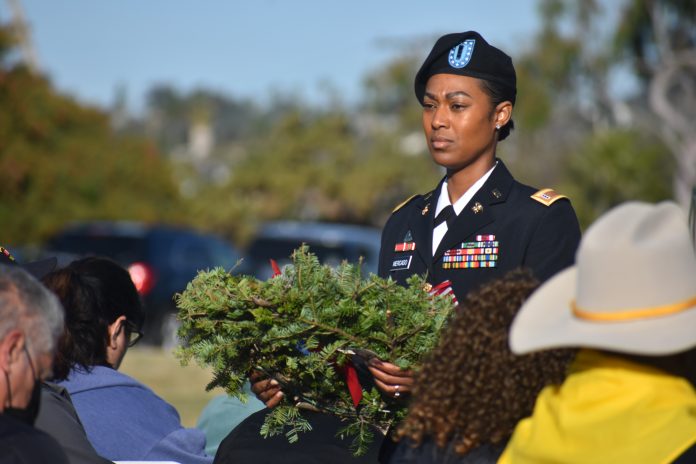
x=56 y=415
x=471 y=389
x=630 y=304
x=316 y=446
x=124 y=419
x=479 y=222
x=30 y=322
x=222 y=414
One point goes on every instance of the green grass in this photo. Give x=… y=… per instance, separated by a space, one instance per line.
x=183 y=387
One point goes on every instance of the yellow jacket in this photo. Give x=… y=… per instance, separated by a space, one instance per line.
x=609 y=410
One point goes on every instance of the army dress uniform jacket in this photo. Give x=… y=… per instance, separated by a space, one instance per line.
x=505 y=226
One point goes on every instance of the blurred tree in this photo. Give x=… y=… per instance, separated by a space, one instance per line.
x=614 y=166
x=336 y=164
x=171 y=114
x=558 y=81
x=315 y=166
x=658 y=37
x=586 y=130
x=389 y=92
x=60 y=161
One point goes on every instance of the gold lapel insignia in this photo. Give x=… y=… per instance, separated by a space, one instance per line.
x=425 y=210
x=477 y=208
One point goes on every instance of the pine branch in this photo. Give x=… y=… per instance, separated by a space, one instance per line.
x=334 y=330
x=295 y=328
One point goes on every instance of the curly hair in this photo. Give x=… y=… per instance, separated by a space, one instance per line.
x=471 y=389
x=94 y=293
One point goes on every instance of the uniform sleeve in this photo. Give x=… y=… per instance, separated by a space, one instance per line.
x=554 y=242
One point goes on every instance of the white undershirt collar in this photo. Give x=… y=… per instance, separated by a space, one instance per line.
x=444 y=201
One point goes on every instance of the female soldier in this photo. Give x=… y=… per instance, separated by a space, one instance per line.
x=479 y=222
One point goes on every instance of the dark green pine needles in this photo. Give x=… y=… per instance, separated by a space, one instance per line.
x=300 y=328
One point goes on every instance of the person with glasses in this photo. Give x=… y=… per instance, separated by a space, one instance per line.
x=124 y=419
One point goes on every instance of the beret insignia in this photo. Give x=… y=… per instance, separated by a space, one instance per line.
x=460 y=55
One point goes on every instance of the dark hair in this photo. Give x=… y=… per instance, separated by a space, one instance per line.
x=682 y=364
x=471 y=390
x=498 y=94
x=94 y=293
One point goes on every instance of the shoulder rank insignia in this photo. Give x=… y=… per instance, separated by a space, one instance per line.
x=403 y=203
x=547 y=196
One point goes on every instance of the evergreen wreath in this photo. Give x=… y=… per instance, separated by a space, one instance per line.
x=301 y=328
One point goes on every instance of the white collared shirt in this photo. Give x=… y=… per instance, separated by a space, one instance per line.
x=444 y=201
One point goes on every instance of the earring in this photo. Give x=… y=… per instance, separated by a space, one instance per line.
x=497 y=127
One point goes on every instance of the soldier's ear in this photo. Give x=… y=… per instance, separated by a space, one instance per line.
x=502 y=114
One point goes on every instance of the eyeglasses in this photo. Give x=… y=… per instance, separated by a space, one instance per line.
x=133 y=333
x=31 y=363
x=42 y=373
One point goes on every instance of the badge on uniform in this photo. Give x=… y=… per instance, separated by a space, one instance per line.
x=483 y=252
x=407 y=245
x=401 y=263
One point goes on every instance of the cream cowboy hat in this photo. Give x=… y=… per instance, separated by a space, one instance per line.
x=632 y=289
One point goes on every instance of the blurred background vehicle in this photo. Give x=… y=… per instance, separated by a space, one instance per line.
x=161 y=260
x=330 y=242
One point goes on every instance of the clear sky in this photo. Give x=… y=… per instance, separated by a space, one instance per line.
x=248 y=48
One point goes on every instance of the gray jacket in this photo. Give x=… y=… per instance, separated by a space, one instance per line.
x=58 y=418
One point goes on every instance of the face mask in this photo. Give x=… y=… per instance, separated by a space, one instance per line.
x=31 y=410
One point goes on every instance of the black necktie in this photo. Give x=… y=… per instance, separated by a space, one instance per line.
x=446 y=215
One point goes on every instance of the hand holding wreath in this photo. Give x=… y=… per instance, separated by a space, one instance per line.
x=303 y=331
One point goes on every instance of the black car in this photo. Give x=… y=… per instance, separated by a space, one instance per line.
x=161 y=260
x=332 y=243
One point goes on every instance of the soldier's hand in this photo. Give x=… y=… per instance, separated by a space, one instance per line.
x=266 y=390
x=390 y=378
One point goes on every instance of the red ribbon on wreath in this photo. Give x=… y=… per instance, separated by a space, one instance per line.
x=274 y=266
x=351 y=376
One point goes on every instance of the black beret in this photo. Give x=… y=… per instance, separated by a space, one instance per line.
x=468 y=54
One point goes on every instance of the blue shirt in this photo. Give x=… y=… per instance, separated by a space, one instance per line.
x=125 y=420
